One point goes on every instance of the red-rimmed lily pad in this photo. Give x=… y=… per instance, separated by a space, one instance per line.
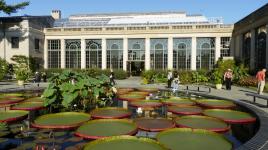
x=10 y=100
x=178 y=102
x=64 y=120
x=202 y=122
x=101 y=128
x=147 y=89
x=124 y=143
x=35 y=99
x=146 y=104
x=230 y=116
x=185 y=110
x=139 y=93
x=188 y=139
x=124 y=90
x=154 y=124
x=110 y=113
x=12 y=95
x=131 y=97
x=28 y=105
x=13 y=115
x=216 y=104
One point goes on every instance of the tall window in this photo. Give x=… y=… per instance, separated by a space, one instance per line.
x=36 y=44
x=54 y=53
x=93 y=54
x=159 y=53
x=136 y=49
x=15 y=42
x=225 y=46
x=260 y=50
x=73 y=53
x=246 y=48
x=115 y=53
x=182 y=53
x=205 y=53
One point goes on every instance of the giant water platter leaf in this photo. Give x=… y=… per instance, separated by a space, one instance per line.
x=64 y=120
x=124 y=143
x=188 y=139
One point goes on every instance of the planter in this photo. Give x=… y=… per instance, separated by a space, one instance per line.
x=20 y=82
x=218 y=86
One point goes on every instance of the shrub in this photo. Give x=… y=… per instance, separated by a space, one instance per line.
x=92 y=72
x=248 y=81
x=3 y=68
x=22 y=67
x=185 y=77
x=200 y=76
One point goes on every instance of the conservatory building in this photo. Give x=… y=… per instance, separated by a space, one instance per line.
x=136 y=41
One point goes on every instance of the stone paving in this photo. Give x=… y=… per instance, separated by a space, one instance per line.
x=237 y=93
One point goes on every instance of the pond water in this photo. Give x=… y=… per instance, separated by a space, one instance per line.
x=19 y=135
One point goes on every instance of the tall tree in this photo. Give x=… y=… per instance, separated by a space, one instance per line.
x=8 y=9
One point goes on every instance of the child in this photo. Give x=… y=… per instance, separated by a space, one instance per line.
x=176 y=82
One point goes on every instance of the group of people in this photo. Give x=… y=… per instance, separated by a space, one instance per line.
x=173 y=80
x=38 y=77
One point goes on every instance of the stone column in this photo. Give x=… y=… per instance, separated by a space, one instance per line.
x=217 y=48
x=147 y=54
x=125 y=53
x=252 y=49
x=170 y=53
x=104 y=53
x=193 y=55
x=83 y=53
x=45 y=54
x=63 y=54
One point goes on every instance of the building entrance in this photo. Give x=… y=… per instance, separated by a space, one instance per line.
x=135 y=68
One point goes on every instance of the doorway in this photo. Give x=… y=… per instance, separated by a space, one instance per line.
x=135 y=68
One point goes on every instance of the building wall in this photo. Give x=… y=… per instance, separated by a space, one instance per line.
x=15 y=30
x=250 y=24
x=147 y=33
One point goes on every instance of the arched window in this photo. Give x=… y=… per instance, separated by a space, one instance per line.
x=73 y=53
x=136 y=46
x=93 y=46
x=73 y=47
x=181 y=46
x=205 y=46
x=158 y=46
x=114 y=47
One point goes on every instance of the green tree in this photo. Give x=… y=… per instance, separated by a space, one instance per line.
x=8 y=9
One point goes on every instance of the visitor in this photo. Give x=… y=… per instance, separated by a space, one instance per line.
x=228 y=77
x=176 y=82
x=44 y=76
x=112 y=82
x=261 y=80
x=170 y=77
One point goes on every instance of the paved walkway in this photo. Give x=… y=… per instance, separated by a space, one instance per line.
x=237 y=93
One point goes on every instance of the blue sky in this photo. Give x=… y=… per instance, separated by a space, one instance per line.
x=230 y=10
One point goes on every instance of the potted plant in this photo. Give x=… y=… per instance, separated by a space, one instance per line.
x=217 y=78
x=22 y=74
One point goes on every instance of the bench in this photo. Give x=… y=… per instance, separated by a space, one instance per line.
x=263 y=97
x=198 y=88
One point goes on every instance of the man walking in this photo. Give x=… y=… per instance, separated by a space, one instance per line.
x=170 y=76
x=228 y=76
x=261 y=80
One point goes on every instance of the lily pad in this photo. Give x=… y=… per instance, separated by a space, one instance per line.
x=124 y=143
x=110 y=113
x=188 y=139
x=106 y=127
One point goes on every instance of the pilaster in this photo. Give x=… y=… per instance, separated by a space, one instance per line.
x=104 y=53
x=83 y=53
x=125 y=53
x=252 y=49
x=170 y=53
x=147 y=54
x=218 y=48
x=193 y=55
x=63 y=54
